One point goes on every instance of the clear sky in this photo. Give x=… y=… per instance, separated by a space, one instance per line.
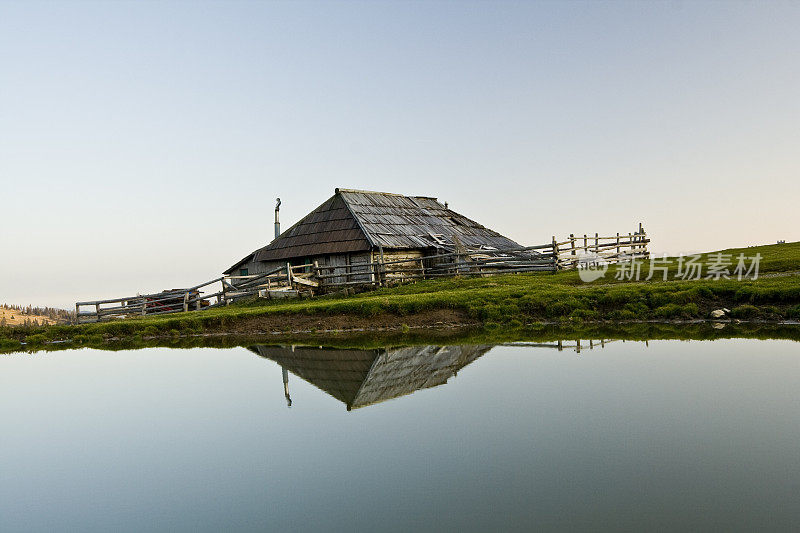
x=142 y=144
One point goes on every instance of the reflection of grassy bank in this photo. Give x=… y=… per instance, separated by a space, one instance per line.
x=512 y=301
x=472 y=335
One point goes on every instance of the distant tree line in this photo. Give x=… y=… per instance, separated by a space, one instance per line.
x=36 y=313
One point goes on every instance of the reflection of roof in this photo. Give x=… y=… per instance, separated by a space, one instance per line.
x=363 y=377
x=352 y=221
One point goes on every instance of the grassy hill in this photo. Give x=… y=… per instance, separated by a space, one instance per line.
x=507 y=301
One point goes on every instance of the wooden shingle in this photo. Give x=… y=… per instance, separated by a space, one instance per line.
x=354 y=221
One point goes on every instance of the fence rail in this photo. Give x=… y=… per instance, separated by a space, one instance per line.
x=311 y=278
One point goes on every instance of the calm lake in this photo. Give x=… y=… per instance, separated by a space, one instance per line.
x=625 y=436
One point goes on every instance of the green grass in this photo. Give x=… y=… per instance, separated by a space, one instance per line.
x=636 y=331
x=505 y=302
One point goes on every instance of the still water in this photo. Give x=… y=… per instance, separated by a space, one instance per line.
x=624 y=437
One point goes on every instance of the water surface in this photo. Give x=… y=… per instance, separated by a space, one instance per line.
x=623 y=436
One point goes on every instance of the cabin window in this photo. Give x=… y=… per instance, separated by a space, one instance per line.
x=243 y=271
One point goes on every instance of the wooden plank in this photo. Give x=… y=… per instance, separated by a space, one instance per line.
x=304 y=281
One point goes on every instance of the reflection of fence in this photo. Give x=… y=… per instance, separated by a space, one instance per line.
x=311 y=278
x=561 y=345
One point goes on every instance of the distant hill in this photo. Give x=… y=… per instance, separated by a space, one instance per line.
x=18 y=315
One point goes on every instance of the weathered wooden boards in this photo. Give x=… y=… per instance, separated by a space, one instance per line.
x=400 y=267
x=372 y=269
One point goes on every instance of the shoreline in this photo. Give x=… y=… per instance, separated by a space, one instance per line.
x=632 y=330
x=507 y=302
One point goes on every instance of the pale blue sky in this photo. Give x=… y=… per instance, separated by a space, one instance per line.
x=142 y=144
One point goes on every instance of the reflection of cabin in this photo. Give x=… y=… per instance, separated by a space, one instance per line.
x=353 y=228
x=363 y=377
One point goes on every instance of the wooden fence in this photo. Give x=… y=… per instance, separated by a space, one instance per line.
x=546 y=257
x=311 y=279
x=609 y=249
x=194 y=298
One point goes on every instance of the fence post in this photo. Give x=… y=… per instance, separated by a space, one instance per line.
x=572 y=243
x=289 y=274
x=645 y=251
x=630 y=244
x=186 y=302
x=76 y=314
x=97 y=311
x=555 y=254
x=585 y=244
x=320 y=281
x=380 y=267
x=223 y=295
x=618 y=251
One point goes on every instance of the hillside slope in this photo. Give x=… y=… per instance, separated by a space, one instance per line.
x=512 y=300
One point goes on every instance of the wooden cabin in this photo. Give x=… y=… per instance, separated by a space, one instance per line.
x=353 y=229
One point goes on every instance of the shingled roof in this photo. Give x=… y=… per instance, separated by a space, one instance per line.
x=359 y=378
x=352 y=221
